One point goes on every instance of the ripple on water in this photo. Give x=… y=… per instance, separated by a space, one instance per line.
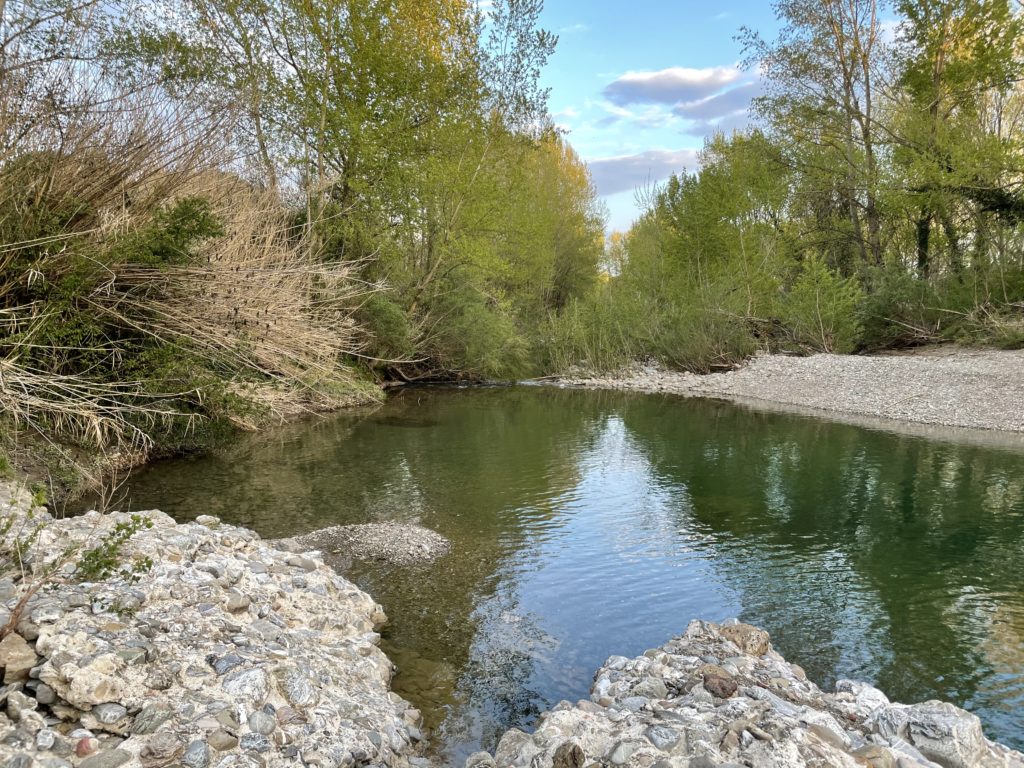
x=590 y=524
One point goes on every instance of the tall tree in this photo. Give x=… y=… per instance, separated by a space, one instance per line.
x=821 y=98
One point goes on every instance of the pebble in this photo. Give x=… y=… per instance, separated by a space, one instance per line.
x=262 y=723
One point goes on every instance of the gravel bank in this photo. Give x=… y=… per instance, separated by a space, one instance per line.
x=720 y=696
x=392 y=543
x=227 y=652
x=947 y=387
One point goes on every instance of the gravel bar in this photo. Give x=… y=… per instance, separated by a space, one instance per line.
x=951 y=387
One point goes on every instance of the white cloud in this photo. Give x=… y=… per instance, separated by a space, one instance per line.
x=626 y=172
x=730 y=102
x=573 y=28
x=671 y=85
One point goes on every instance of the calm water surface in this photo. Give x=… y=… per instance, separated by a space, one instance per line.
x=589 y=524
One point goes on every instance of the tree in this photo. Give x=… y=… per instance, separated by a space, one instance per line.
x=821 y=100
x=955 y=56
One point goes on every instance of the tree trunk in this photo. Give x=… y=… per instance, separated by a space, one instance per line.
x=924 y=233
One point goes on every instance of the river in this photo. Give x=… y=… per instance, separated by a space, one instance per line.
x=586 y=524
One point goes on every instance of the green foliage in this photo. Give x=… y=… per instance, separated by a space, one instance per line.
x=106 y=560
x=387 y=325
x=39 y=495
x=821 y=309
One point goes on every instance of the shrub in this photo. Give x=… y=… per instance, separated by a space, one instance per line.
x=821 y=309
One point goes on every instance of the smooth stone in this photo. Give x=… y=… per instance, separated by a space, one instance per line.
x=225 y=664
x=621 y=752
x=45 y=694
x=262 y=723
x=108 y=714
x=109 y=759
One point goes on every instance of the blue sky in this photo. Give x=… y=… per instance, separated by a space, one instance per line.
x=638 y=85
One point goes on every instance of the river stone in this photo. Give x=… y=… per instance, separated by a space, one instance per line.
x=111 y=758
x=255 y=742
x=262 y=723
x=480 y=760
x=196 y=755
x=162 y=746
x=108 y=714
x=749 y=639
x=236 y=601
x=296 y=686
x=661 y=737
x=45 y=739
x=621 y=752
x=651 y=688
x=569 y=755
x=152 y=716
x=250 y=684
x=224 y=664
x=941 y=731
x=222 y=741
x=17 y=658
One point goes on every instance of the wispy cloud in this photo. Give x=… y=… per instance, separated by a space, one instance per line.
x=721 y=104
x=626 y=172
x=670 y=86
x=573 y=28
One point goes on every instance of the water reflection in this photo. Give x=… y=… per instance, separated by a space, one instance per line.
x=587 y=524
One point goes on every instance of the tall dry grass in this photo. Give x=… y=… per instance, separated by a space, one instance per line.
x=87 y=165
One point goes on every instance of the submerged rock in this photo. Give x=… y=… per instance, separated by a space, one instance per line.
x=227 y=652
x=393 y=543
x=720 y=696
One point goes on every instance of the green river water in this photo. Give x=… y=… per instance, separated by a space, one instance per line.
x=586 y=524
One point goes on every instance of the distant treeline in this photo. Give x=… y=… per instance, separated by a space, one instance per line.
x=877 y=203
x=215 y=210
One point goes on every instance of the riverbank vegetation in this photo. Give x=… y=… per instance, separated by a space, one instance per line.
x=212 y=213
x=876 y=202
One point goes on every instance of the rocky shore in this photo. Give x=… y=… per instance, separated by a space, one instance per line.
x=720 y=696
x=945 y=386
x=225 y=652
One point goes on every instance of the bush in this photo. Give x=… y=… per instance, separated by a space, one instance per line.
x=821 y=309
